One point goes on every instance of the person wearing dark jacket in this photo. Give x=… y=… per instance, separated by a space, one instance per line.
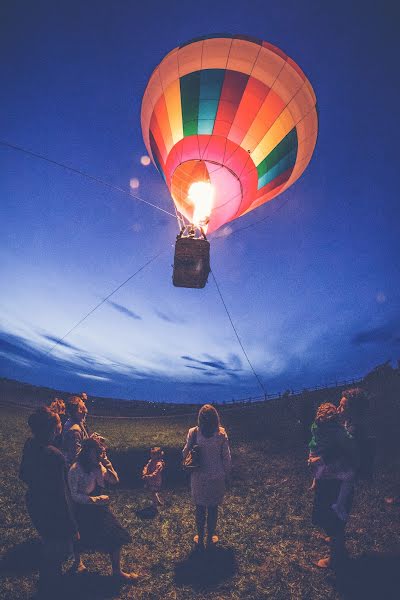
x=339 y=452
x=48 y=501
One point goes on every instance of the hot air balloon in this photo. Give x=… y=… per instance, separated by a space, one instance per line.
x=230 y=122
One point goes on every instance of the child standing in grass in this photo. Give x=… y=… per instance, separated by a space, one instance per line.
x=152 y=474
x=332 y=454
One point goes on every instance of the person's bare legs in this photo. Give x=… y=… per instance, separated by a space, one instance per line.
x=200 y=524
x=156 y=499
x=115 y=557
x=212 y=517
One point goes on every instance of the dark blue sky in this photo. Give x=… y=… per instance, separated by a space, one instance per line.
x=313 y=289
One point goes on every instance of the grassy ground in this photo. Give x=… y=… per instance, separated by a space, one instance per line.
x=267 y=545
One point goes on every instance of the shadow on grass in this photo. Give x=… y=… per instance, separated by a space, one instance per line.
x=369 y=577
x=129 y=464
x=90 y=586
x=22 y=558
x=206 y=569
x=148 y=512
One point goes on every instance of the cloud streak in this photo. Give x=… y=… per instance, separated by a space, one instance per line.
x=377 y=335
x=168 y=318
x=95 y=377
x=230 y=368
x=63 y=343
x=124 y=311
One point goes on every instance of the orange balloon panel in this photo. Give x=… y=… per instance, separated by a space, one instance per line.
x=234 y=112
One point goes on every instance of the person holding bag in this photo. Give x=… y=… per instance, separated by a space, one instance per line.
x=208 y=454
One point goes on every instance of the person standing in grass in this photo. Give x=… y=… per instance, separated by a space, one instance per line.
x=338 y=452
x=58 y=406
x=152 y=475
x=75 y=430
x=43 y=469
x=332 y=454
x=209 y=479
x=353 y=408
x=99 y=529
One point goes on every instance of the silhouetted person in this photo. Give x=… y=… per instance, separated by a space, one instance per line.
x=352 y=409
x=333 y=454
x=338 y=450
x=48 y=501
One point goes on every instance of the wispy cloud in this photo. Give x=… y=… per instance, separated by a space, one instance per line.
x=16 y=347
x=214 y=363
x=23 y=351
x=95 y=377
x=168 y=318
x=124 y=311
x=229 y=368
x=377 y=335
x=63 y=343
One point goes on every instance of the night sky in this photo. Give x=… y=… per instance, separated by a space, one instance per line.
x=312 y=285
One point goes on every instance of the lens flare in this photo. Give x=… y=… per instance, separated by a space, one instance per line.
x=134 y=183
x=145 y=161
x=201 y=193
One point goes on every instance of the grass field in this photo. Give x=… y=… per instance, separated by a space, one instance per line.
x=267 y=545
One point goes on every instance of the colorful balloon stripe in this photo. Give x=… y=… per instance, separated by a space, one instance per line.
x=234 y=104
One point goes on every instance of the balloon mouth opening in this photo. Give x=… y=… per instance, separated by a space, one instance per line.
x=206 y=193
x=201 y=194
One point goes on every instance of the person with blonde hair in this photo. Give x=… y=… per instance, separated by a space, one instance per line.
x=209 y=479
x=57 y=406
x=75 y=430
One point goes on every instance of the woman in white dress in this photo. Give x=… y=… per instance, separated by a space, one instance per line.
x=100 y=529
x=208 y=480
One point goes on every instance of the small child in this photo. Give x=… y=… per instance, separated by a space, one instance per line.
x=152 y=474
x=331 y=454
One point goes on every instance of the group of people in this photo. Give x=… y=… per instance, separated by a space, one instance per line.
x=66 y=469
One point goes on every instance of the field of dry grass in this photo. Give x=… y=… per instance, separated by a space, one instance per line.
x=267 y=544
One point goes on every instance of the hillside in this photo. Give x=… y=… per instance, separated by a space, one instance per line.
x=27 y=394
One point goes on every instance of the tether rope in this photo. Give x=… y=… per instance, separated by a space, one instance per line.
x=83 y=174
x=102 y=302
x=260 y=383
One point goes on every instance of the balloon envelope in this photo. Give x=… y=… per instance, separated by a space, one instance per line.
x=234 y=112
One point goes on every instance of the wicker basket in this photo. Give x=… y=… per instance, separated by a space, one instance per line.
x=191 y=262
